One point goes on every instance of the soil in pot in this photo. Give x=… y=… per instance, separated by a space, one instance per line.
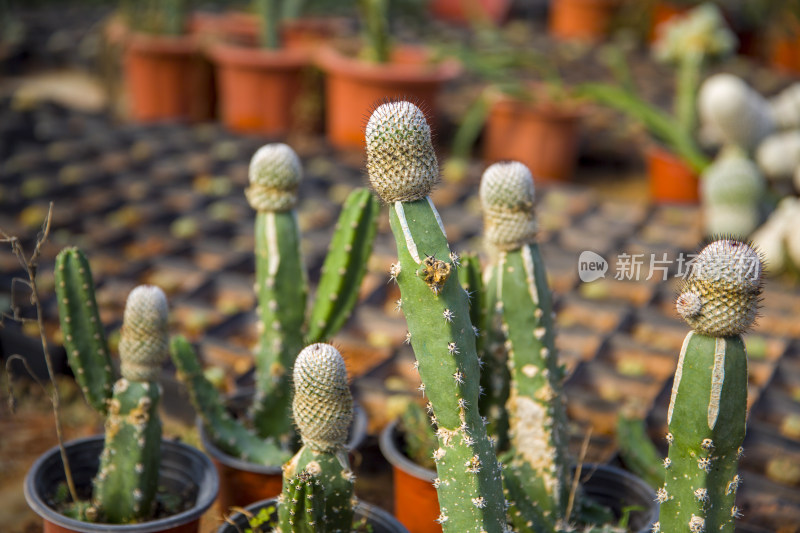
x=542 y=136
x=368 y=518
x=259 y=89
x=671 y=179
x=241 y=482
x=168 y=79
x=416 y=503
x=586 y=20
x=353 y=88
x=185 y=472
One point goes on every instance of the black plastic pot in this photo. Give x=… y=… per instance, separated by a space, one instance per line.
x=185 y=471
x=606 y=485
x=380 y=520
x=242 y=482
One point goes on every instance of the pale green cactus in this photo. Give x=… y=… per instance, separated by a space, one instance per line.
x=732 y=191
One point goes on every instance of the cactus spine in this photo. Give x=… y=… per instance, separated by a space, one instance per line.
x=402 y=170
x=707 y=408
x=318 y=482
x=537 y=471
x=281 y=287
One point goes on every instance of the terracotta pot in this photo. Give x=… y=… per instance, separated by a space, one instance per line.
x=542 y=136
x=167 y=78
x=784 y=52
x=463 y=11
x=586 y=20
x=184 y=470
x=311 y=33
x=377 y=520
x=258 y=88
x=671 y=180
x=353 y=88
x=416 y=504
x=242 y=483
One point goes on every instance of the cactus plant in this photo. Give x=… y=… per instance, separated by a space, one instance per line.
x=402 y=170
x=124 y=489
x=281 y=287
x=706 y=416
x=318 y=483
x=537 y=469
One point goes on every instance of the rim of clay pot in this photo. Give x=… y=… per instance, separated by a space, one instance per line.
x=393 y=454
x=171 y=44
x=177 y=459
x=254 y=57
x=374 y=515
x=358 y=432
x=569 y=111
x=413 y=66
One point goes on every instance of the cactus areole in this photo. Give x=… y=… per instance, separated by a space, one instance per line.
x=706 y=416
x=402 y=170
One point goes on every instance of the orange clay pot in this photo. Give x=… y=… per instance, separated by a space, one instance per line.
x=542 y=136
x=463 y=11
x=586 y=20
x=167 y=78
x=671 y=180
x=353 y=88
x=416 y=504
x=258 y=88
x=784 y=50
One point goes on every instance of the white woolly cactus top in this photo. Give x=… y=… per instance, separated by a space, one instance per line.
x=144 y=341
x=701 y=33
x=322 y=404
x=401 y=162
x=720 y=297
x=275 y=173
x=507 y=194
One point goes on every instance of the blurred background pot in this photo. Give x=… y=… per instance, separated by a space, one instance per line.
x=671 y=179
x=586 y=20
x=464 y=11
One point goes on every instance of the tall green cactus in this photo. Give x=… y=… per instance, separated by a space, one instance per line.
x=281 y=287
x=402 y=170
x=537 y=468
x=707 y=409
x=124 y=489
x=318 y=483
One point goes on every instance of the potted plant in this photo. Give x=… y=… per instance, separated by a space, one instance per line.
x=474 y=491
x=532 y=121
x=165 y=72
x=130 y=475
x=356 y=81
x=586 y=20
x=675 y=159
x=317 y=493
x=250 y=448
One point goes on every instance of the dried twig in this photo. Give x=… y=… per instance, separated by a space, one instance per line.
x=31 y=265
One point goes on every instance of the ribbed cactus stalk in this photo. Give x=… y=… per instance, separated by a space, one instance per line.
x=537 y=472
x=125 y=486
x=281 y=287
x=84 y=338
x=706 y=416
x=402 y=170
x=318 y=482
x=732 y=192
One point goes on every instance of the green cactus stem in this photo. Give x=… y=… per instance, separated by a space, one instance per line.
x=231 y=436
x=84 y=338
x=707 y=408
x=318 y=483
x=402 y=170
x=126 y=483
x=524 y=307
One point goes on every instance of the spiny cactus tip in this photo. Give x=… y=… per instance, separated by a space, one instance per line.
x=720 y=297
x=401 y=162
x=507 y=195
x=275 y=173
x=144 y=343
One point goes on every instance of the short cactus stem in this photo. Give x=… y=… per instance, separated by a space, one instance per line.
x=318 y=483
x=84 y=338
x=402 y=170
x=709 y=396
x=523 y=311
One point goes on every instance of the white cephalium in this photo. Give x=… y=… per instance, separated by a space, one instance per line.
x=401 y=163
x=275 y=173
x=507 y=195
x=144 y=339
